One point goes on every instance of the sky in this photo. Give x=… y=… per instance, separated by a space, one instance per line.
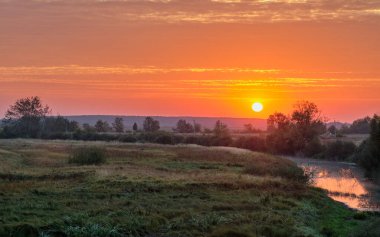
x=192 y=57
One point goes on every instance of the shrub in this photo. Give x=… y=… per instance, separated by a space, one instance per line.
x=277 y=167
x=339 y=150
x=88 y=156
x=128 y=138
x=313 y=148
x=163 y=139
x=251 y=143
x=199 y=140
x=224 y=140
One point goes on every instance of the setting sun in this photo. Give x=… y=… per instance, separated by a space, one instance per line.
x=257 y=107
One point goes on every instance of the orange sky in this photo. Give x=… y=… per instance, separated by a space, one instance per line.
x=198 y=57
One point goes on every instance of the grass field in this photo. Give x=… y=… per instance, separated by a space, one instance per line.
x=155 y=190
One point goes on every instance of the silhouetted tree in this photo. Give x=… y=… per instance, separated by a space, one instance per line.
x=277 y=121
x=221 y=135
x=308 y=123
x=184 y=127
x=151 y=125
x=73 y=126
x=249 y=128
x=102 y=126
x=118 y=125
x=368 y=153
x=26 y=117
x=88 y=128
x=197 y=127
x=221 y=129
x=361 y=126
x=135 y=127
x=57 y=124
x=297 y=133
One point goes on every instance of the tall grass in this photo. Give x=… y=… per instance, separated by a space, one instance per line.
x=88 y=156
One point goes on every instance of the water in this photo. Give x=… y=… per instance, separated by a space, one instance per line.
x=345 y=182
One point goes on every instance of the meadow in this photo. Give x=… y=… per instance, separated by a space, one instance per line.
x=163 y=190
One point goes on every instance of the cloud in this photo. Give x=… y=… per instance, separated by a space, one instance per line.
x=201 y=11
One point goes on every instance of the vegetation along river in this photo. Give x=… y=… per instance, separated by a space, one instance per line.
x=345 y=182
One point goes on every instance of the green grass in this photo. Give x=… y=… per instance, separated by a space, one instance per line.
x=155 y=190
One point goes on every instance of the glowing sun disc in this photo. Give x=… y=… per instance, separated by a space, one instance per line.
x=257 y=107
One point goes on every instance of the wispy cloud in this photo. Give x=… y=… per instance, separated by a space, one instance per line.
x=209 y=81
x=76 y=69
x=202 y=11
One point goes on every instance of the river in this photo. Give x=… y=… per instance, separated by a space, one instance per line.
x=345 y=182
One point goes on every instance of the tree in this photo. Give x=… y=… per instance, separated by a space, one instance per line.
x=197 y=127
x=102 y=126
x=305 y=113
x=73 y=126
x=221 y=129
x=118 y=125
x=308 y=122
x=88 y=128
x=25 y=116
x=278 y=121
x=221 y=135
x=184 y=127
x=368 y=153
x=249 y=128
x=361 y=126
x=332 y=129
x=57 y=124
x=135 y=127
x=297 y=133
x=27 y=107
x=151 y=125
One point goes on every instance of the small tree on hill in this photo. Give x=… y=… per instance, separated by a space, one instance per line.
x=118 y=125
x=151 y=125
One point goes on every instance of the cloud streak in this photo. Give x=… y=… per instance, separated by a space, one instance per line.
x=201 y=11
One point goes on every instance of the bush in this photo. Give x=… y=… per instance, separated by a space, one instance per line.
x=276 y=167
x=251 y=143
x=88 y=156
x=199 y=140
x=128 y=138
x=339 y=150
x=313 y=148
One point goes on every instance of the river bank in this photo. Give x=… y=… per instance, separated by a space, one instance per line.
x=345 y=182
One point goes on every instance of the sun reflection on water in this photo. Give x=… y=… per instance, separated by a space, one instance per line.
x=343 y=186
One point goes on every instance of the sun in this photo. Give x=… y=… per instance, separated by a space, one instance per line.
x=257 y=107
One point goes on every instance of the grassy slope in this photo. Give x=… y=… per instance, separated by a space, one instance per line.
x=154 y=190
